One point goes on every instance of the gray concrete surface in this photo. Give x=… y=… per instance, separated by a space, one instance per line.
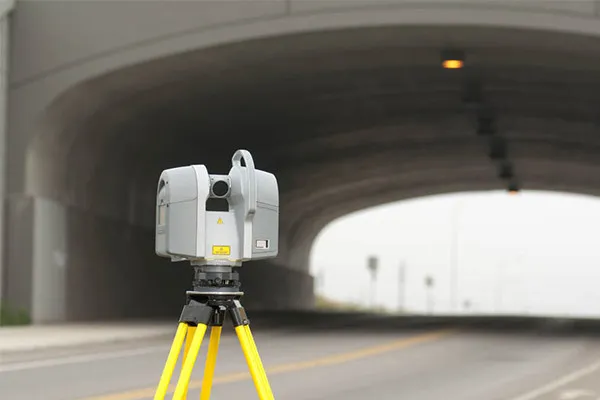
x=35 y=337
x=583 y=383
x=344 y=100
x=356 y=360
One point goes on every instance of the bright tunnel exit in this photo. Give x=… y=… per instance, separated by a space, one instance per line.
x=534 y=253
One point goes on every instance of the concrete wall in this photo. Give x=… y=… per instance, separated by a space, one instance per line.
x=114 y=273
x=267 y=286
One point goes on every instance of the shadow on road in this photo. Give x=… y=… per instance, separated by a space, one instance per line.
x=310 y=321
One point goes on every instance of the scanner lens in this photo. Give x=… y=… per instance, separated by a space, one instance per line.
x=220 y=188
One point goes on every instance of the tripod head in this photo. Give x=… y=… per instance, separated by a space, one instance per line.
x=217 y=280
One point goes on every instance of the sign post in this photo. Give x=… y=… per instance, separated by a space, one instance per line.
x=372 y=266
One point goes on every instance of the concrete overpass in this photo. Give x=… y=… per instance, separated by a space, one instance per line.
x=345 y=101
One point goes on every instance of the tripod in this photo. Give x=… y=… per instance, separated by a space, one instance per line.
x=216 y=294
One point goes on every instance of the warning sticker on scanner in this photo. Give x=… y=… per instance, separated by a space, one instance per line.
x=221 y=250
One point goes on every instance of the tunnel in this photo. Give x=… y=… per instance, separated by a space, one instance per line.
x=346 y=118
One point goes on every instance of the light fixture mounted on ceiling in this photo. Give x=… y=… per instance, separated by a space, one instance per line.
x=506 y=171
x=453 y=59
x=513 y=189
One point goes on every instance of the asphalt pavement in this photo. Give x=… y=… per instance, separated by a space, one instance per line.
x=364 y=358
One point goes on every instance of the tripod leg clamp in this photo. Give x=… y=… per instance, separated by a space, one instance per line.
x=218 y=316
x=195 y=313
x=238 y=314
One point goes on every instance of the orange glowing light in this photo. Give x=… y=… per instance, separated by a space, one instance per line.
x=452 y=64
x=513 y=192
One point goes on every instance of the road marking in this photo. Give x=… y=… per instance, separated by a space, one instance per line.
x=576 y=394
x=557 y=384
x=79 y=359
x=146 y=393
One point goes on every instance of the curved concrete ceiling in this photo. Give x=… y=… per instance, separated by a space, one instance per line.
x=346 y=119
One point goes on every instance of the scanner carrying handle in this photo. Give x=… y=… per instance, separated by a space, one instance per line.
x=250 y=172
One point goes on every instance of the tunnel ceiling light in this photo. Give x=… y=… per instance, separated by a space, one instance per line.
x=513 y=189
x=506 y=171
x=453 y=59
x=498 y=148
x=486 y=121
x=473 y=94
x=485 y=126
x=453 y=64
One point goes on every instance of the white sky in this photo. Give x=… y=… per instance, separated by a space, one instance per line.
x=532 y=253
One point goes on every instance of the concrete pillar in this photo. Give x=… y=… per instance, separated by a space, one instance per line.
x=5 y=9
x=36 y=258
x=49 y=262
x=18 y=260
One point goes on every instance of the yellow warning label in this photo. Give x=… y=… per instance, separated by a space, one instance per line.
x=221 y=250
x=220 y=221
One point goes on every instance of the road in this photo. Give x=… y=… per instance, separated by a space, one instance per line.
x=358 y=362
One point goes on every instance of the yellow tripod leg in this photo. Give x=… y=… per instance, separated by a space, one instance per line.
x=211 y=362
x=188 y=364
x=188 y=342
x=258 y=360
x=254 y=364
x=163 y=385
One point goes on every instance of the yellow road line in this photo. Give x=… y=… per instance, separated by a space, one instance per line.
x=146 y=393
